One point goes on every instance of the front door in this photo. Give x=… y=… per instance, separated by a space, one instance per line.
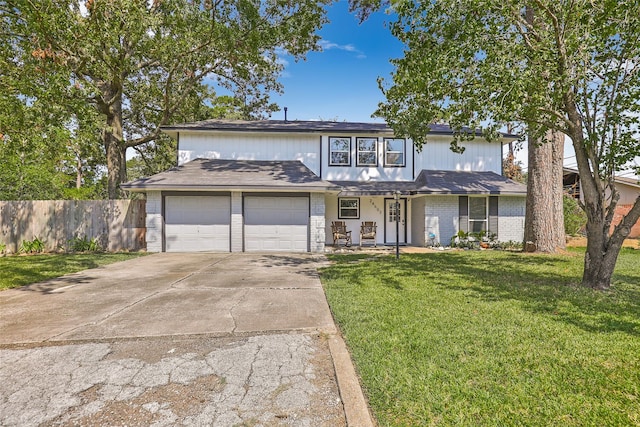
x=391 y=213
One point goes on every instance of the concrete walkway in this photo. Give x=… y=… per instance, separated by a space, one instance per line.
x=178 y=339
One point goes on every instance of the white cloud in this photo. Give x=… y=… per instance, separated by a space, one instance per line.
x=328 y=45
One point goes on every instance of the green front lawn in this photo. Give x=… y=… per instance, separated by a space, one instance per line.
x=23 y=270
x=490 y=338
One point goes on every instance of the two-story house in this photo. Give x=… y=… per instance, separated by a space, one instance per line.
x=278 y=185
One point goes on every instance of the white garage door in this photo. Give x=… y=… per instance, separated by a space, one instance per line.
x=276 y=224
x=197 y=223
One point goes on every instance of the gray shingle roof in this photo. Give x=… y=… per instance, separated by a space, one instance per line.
x=437 y=182
x=466 y=182
x=290 y=175
x=280 y=126
x=325 y=127
x=217 y=175
x=375 y=188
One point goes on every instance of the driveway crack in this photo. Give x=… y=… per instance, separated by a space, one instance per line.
x=218 y=261
x=236 y=305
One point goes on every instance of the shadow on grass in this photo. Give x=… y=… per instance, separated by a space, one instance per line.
x=546 y=285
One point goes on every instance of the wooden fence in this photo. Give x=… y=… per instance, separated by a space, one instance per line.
x=119 y=225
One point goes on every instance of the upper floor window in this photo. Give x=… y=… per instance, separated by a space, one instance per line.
x=339 y=151
x=394 y=152
x=477 y=214
x=367 y=151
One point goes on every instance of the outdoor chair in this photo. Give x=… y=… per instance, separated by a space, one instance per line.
x=340 y=232
x=368 y=232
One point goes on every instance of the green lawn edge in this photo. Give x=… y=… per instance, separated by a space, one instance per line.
x=20 y=270
x=473 y=338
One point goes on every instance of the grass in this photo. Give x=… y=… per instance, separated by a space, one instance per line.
x=18 y=271
x=490 y=338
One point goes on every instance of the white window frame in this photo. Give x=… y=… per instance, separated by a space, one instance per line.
x=331 y=150
x=375 y=152
x=472 y=221
x=403 y=153
x=341 y=215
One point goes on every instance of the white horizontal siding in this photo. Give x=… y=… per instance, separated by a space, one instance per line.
x=478 y=155
x=250 y=146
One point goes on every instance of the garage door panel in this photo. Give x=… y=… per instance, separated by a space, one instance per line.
x=197 y=223
x=276 y=224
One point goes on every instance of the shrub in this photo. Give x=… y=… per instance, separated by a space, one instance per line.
x=574 y=217
x=511 y=245
x=31 y=246
x=482 y=239
x=3 y=248
x=84 y=244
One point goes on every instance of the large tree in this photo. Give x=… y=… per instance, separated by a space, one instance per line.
x=573 y=68
x=544 y=220
x=39 y=143
x=141 y=63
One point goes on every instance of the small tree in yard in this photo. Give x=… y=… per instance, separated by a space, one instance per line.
x=571 y=67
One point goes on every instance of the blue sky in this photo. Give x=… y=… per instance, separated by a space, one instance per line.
x=341 y=81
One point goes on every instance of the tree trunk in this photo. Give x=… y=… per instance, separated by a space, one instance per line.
x=556 y=139
x=602 y=248
x=544 y=219
x=78 y=171
x=113 y=140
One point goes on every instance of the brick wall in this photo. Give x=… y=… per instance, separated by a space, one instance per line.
x=511 y=218
x=621 y=211
x=441 y=217
x=237 y=228
x=317 y=222
x=154 y=221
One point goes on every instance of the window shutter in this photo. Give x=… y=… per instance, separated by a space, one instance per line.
x=463 y=213
x=493 y=214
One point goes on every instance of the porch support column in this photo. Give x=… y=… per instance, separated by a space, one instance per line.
x=237 y=237
x=317 y=222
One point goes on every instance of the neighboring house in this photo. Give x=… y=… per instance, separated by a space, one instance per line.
x=277 y=186
x=628 y=188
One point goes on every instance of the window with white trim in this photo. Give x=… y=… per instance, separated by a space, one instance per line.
x=478 y=214
x=349 y=208
x=394 y=152
x=367 y=151
x=339 y=151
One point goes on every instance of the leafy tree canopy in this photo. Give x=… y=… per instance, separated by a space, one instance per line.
x=141 y=64
x=569 y=66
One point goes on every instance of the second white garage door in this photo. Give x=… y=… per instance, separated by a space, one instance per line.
x=276 y=224
x=197 y=223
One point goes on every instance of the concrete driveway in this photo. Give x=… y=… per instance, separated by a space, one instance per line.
x=177 y=339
